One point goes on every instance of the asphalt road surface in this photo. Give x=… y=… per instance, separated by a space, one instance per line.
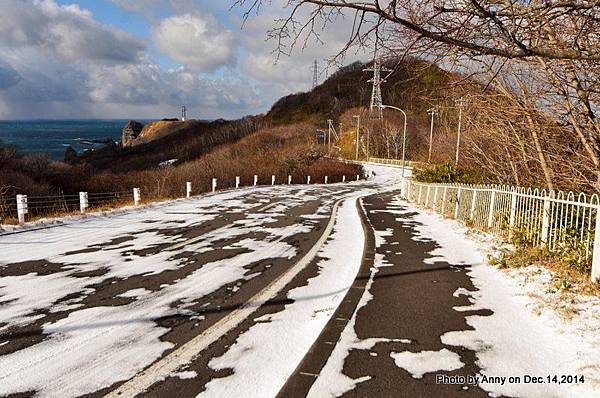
x=289 y=291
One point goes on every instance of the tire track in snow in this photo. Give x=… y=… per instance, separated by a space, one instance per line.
x=187 y=352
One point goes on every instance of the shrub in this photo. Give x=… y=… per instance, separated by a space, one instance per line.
x=450 y=173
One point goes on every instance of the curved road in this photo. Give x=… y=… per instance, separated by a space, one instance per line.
x=289 y=291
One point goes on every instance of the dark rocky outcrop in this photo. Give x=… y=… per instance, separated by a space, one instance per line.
x=130 y=132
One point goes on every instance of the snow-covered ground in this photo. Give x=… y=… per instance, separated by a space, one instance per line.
x=93 y=347
x=522 y=336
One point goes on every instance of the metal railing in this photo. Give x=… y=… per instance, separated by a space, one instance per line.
x=22 y=208
x=558 y=221
x=395 y=162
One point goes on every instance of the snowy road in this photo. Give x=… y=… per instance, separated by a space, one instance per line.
x=301 y=290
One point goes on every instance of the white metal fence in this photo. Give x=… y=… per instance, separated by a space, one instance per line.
x=559 y=221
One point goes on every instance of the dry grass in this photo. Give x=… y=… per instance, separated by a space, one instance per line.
x=280 y=151
x=565 y=277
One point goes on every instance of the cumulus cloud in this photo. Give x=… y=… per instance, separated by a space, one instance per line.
x=64 y=31
x=58 y=61
x=146 y=84
x=197 y=41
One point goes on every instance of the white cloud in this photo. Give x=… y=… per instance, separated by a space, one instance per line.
x=198 y=42
x=67 y=32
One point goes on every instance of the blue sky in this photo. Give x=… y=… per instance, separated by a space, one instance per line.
x=145 y=58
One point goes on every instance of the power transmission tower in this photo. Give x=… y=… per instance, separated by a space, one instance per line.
x=315 y=69
x=376 y=100
x=183 y=113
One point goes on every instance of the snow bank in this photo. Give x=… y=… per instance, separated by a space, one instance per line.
x=514 y=341
x=276 y=345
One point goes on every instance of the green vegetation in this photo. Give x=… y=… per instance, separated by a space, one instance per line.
x=569 y=263
x=448 y=173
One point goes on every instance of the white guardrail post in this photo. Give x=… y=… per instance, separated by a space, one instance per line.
x=237 y=182
x=137 y=197
x=214 y=184
x=490 y=221
x=325 y=179
x=289 y=180
x=444 y=197
x=457 y=206
x=343 y=178
x=513 y=213
x=596 y=249
x=22 y=208
x=272 y=180
x=473 y=204
x=546 y=219
x=255 y=179
x=188 y=189
x=308 y=180
x=83 y=201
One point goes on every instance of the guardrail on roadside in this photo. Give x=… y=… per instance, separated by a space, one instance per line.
x=25 y=207
x=555 y=220
x=395 y=162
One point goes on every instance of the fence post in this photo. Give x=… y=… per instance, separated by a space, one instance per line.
x=473 y=203
x=357 y=177
x=137 y=197
x=22 y=208
x=420 y=192
x=188 y=189
x=457 y=207
x=596 y=249
x=546 y=218
x=427 y=195
x=272 y=180
x=237 y=182
x=308 y=180
x=435 y=195
x=83 y=201
x=513 y=213
x=444 y=196
x=214 y=184
x=343 y=178
x=289 y=179
x=325 y=179
x=255 y=179
x=490 y=222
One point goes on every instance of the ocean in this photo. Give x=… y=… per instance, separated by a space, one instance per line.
x=54 y=136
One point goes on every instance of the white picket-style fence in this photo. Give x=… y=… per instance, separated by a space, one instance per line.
x=542 y=218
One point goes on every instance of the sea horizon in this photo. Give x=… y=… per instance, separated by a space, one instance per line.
x=54 y=136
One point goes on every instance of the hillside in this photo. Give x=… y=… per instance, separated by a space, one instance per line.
x=167 y=140
x=414 y=85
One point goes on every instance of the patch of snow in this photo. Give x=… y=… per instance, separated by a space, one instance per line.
x=419 y=363
x=332 y=382
x=136 y=293
x=516 y=340
x=280 y=341
x=188 y=374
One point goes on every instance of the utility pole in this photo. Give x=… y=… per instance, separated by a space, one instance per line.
x=329 y=126
x=357 y=132
x=431 y=111
x=183 y=113
x=460 y=103
x=315 y=70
